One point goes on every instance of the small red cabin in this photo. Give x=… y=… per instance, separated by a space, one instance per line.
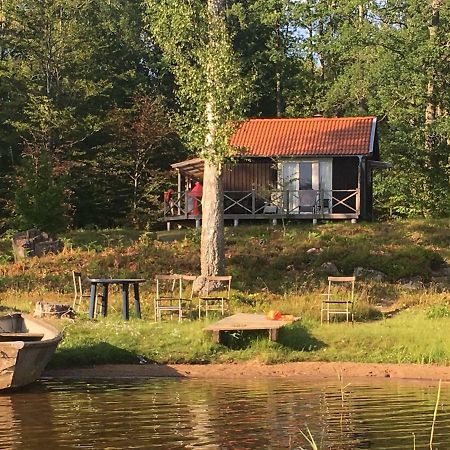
x=296 y=169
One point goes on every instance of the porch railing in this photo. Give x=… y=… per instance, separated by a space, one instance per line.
x=270 y=202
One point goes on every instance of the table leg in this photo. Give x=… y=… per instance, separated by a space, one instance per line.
x=216 y=337
x=92 y=300
x=273 y=334
x=125 y=302
x=104 y=310
x=137 y=301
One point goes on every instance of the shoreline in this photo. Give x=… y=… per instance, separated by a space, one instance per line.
x=248 y=370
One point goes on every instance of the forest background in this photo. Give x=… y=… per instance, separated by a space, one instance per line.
x=91 y=116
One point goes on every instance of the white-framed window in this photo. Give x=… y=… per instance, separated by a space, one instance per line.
x=301 y=176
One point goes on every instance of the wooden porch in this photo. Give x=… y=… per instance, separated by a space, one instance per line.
x=269 y=205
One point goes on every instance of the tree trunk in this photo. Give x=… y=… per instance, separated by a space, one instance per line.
x=212 y=241
x=212 y=257
x=432 y=102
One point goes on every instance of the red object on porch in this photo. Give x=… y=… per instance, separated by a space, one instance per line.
x=168 y=194
x=196 y=193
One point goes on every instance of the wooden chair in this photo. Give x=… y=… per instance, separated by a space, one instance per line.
x=79 y=295
x=339 y=299
x=173 y=295
x=308 y=201
x=217 y=292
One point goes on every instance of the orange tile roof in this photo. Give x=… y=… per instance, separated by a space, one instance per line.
x=313 y=136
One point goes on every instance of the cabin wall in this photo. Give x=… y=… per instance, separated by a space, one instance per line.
x=245 y=176
x=367 y=213
x=368 y=180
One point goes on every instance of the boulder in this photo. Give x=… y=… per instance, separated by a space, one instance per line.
x=57 y=310
x=369 y=274
x=199 y=285
x=413 y=283
x=34 y=243
x=443 y=271
x=329 y=268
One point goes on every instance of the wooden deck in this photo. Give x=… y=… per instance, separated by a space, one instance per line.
x=246 y=322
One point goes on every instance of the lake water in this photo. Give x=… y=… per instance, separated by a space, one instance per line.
x=240 y=414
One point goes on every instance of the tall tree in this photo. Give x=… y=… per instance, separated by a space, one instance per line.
x=64 y=65
x=197 y=45
x=141 y=146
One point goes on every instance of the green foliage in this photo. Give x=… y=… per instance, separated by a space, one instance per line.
x=40 y=201
x=211 y=91
x=438 y=312
x=68 y=68
x=258 y=287
x=64 y=67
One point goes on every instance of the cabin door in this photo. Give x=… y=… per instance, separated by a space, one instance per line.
x=300 y=178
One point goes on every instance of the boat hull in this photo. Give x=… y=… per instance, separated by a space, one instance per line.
x=23 y=361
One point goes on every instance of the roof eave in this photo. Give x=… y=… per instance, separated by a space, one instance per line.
x=372 y=135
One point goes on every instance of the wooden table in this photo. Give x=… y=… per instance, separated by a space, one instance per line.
x=125 y=283
x=246 y=322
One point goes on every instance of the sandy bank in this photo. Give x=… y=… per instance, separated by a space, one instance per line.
x=315 y=370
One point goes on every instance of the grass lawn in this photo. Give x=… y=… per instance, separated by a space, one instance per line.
x=411 y=336
x=271 y=269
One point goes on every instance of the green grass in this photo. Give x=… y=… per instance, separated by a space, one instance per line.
x=409 y=337
x=271 y=270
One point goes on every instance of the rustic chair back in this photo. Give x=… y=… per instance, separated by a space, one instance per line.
x=79 y=295
x=217 y=293
x=339 y=299
x=172 y=295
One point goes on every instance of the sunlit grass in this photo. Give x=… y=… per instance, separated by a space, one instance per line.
x=271 y=270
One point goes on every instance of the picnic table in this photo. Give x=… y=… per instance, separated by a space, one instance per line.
x=247 y=322
x=125 y=283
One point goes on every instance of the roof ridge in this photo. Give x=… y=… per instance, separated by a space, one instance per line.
x=293 y=119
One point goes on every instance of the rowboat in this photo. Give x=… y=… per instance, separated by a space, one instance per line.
x=26 y=346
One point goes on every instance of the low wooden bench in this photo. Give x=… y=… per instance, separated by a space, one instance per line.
x=246 y=322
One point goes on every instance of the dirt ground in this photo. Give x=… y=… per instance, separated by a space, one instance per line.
x=311 y=370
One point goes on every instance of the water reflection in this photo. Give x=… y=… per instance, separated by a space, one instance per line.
x=244 y=414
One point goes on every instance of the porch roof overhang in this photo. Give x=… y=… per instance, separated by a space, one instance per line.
x=191 y=167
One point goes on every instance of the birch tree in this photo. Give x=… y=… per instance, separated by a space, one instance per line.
x=198 y=49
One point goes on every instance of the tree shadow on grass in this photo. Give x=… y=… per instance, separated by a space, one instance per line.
x=297 y=337
x=294 y=337
x=88 y=355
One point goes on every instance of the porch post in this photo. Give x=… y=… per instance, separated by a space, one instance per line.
x=253 y=202
x=179 y=192
x=358 y=194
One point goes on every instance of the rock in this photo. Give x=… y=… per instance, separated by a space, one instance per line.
x=413 y=283
x=313 y=251
x=441 y=272
x=199 y=285
x=329 y=268
x=369 y=274
x=56 y=310
x=34 y=243
x=441 y=284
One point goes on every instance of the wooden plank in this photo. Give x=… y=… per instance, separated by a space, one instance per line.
x=246 y=322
